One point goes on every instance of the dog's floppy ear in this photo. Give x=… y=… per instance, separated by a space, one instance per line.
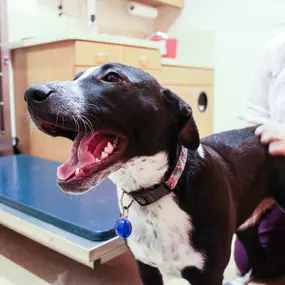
x=188 y=132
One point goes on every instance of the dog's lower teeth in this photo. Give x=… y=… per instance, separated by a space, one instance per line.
x=77 y=171
x=97 y=160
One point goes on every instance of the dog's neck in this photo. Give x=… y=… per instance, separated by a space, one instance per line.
x=141 y=172
x=144 y=171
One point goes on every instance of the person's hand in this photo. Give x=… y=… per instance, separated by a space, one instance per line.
x=272 y=134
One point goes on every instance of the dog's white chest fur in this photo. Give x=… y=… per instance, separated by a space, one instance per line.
x=161 y=231
x=161 y=237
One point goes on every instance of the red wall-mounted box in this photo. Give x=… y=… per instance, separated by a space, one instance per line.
x=168 y=47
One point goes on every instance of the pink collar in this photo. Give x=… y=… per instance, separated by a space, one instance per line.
x=175 y=175
x=148 y=196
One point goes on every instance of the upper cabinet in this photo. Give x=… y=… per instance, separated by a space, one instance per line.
x=156 y=3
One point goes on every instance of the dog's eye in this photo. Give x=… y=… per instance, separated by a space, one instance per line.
x=112 y=77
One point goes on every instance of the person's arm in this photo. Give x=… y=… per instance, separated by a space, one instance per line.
x=266 y=105
x=267 y=98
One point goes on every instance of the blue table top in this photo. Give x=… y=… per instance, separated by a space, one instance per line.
x=29 y=184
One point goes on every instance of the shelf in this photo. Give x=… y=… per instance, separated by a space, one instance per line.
x=158 y=3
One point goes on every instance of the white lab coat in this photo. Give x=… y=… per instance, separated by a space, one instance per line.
x=267 y=99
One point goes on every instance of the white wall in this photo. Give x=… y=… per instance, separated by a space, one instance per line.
x=241 y=29
x=32 y=18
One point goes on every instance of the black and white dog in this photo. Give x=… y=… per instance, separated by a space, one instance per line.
x=185 y=198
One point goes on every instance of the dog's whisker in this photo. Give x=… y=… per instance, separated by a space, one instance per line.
x=56 y=122
x=84 y=123
x=76 y=124
x=92 y=105
x=93 y=117
x=89 y=124
x=62 y=120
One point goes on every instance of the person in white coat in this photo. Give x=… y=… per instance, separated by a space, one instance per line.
x=266 y=106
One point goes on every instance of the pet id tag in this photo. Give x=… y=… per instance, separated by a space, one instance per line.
x=123 y=226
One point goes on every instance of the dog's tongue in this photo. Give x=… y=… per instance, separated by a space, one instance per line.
x=80 y=156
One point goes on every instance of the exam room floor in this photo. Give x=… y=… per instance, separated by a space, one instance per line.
x=24 y=262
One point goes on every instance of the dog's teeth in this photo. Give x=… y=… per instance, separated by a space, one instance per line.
x=97 y=160
x=103 y=155
x=106 y=149
x=110 y=147
x=77 y=171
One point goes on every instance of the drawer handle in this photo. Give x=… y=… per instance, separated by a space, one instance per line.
x=101 y=57
x=143 y=60
x=202 y=102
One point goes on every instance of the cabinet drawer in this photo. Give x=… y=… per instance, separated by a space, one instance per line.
x=92 y=54
x=200 y=98
x=186 y=75
x=142 y=57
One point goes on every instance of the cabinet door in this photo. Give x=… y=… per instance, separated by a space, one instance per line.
x=200 y=99
x=5 y=133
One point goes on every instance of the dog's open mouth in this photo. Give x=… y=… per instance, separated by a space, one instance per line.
x=91 y=152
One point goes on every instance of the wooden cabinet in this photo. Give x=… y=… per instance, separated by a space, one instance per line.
x=177 y=75
x=90 y=53
x=142 y=58
x=5 y=125
x=200 y=99
x=61 y=60
x=51 y=62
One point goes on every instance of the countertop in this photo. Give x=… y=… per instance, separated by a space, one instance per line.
x=103 y=38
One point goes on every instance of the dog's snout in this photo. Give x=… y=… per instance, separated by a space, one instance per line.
x=37 y=93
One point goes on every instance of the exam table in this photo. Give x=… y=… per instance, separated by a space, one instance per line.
x=78 y=226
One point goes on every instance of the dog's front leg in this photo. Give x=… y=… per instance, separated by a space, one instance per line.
x=149 y=275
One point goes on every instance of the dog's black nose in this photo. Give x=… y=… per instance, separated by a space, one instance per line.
x=37 y=93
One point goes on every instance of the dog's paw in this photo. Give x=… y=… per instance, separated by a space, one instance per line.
x=177 y=281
